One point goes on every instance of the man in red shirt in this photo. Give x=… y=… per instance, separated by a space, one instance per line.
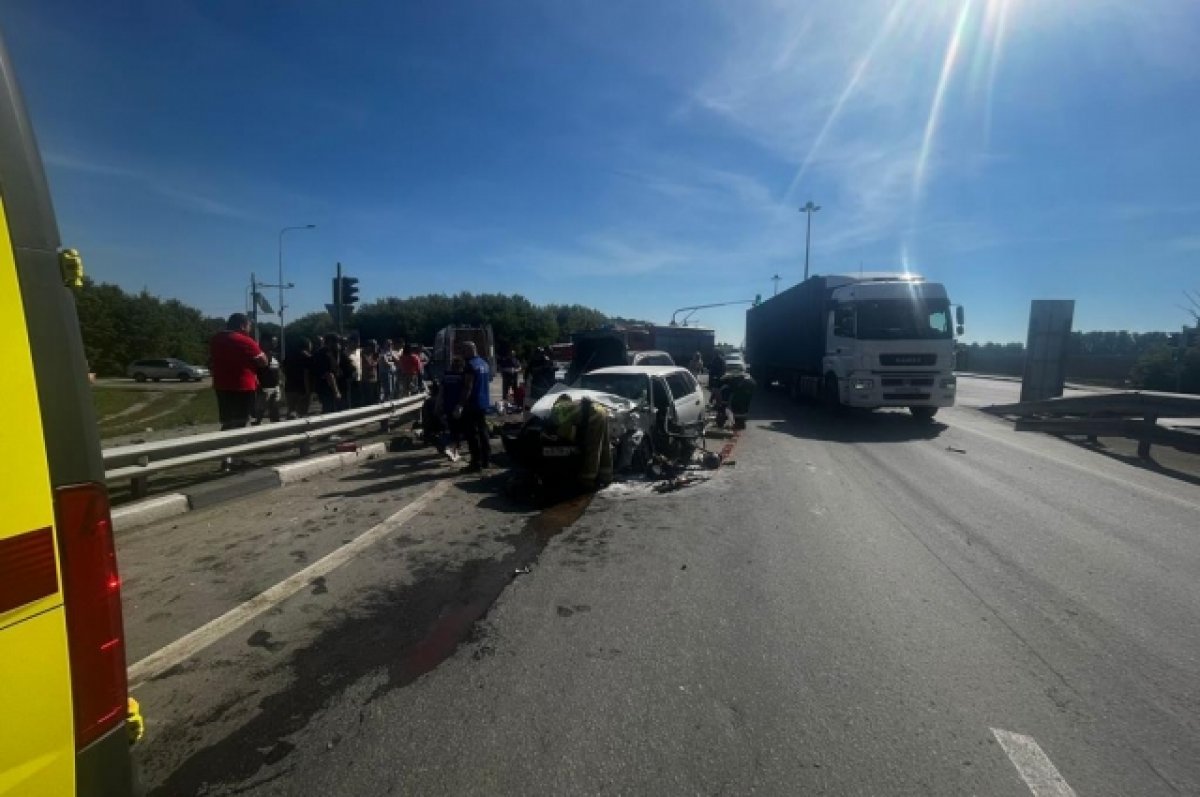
x=410 y=371
x=235 y=359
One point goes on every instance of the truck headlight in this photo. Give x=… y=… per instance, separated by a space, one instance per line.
x=949 y=384
x=863 y=384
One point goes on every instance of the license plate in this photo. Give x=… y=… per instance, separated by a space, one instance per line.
x=558 y=451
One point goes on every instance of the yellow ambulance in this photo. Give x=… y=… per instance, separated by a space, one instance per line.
x=63 y=691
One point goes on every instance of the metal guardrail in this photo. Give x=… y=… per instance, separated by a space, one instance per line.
x=140 y=461
x=1134 y=415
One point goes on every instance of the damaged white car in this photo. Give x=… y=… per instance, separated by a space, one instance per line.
x=651 y=411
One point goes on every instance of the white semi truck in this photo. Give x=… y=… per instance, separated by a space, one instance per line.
x=871 y=340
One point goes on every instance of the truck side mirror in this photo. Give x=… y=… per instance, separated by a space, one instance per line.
x=958 y=317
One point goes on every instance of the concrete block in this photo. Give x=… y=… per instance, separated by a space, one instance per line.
x=231 y=487
x=149 y=511
x=298 y=471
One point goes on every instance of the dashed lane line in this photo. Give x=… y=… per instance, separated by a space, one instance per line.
x=1034 y=766
x=189 y=645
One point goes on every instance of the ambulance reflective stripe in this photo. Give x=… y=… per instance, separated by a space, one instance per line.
x=28 y=570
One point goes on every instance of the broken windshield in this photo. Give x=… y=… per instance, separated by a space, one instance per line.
x=896 y=319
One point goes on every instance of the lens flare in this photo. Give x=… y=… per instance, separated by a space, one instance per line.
x=995 y=26
x=860 y=69
x=939 y=96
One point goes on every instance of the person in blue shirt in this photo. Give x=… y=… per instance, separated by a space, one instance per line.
x=473 y=406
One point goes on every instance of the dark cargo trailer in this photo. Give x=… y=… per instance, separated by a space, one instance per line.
x=786 y=333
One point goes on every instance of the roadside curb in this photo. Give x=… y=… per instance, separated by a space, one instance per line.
x=293 y=472
x=162 y=507
x=152 y=509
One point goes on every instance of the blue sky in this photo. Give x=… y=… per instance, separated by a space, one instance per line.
x=632 y=156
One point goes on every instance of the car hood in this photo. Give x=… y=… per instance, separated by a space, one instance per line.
x=541 y=409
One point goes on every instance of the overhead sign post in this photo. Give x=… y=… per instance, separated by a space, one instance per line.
x=1046 y=348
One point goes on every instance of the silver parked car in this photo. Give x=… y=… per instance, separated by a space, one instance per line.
x=166 y=368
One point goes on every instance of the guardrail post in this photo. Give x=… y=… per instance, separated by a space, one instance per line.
x=1149 y=422
x=139 y=486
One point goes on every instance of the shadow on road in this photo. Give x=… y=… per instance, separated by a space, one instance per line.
x=774 y=412
x=1166 y=462
x=393 y=636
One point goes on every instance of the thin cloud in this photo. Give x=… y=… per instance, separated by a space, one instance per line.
x=188 y=200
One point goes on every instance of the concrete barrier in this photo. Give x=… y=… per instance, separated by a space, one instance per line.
x=294 y=472
x=162 y=507
x=149 y=511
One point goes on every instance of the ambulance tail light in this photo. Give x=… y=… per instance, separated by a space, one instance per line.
x=92 y=597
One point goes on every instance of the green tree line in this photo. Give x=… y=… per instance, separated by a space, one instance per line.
x=1155 y=359
x=516 y=322
x=120 y=327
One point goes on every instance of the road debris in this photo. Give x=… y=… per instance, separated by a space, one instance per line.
x=678 y=483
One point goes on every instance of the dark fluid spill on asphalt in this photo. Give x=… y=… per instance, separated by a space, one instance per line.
x=481 y=591
x=406 y=632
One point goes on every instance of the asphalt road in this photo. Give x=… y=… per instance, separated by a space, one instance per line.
x=861 y=605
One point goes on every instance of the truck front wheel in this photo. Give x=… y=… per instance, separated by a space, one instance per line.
x=923 y=413
x=832 y=395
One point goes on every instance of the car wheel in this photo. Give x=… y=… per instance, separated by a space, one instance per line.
x=139 y=377
x=185 y=377
x=156 y=379
x=923 y=413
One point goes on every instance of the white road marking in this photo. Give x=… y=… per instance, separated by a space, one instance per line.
x=1033 y=765
x=189 y=645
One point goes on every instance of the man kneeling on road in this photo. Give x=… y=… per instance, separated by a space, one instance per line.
x=473 y=406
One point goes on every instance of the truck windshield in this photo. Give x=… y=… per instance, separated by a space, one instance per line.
x=630 y=386
x=896 y=319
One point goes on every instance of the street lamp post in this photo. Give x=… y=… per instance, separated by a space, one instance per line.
x=282 y=286
x=809 y=209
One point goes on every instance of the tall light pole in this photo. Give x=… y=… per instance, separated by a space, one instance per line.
x=282 y=348
x=809 y=210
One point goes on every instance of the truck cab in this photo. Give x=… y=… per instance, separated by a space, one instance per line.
x=868 y=340
x=890 y=343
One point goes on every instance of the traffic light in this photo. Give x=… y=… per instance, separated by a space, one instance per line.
x=349 y=290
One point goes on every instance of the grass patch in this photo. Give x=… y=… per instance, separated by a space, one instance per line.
x=172 y=410
x=109 y=402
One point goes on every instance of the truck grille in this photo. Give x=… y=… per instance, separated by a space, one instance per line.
x=908 y=359
x=907 y=381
